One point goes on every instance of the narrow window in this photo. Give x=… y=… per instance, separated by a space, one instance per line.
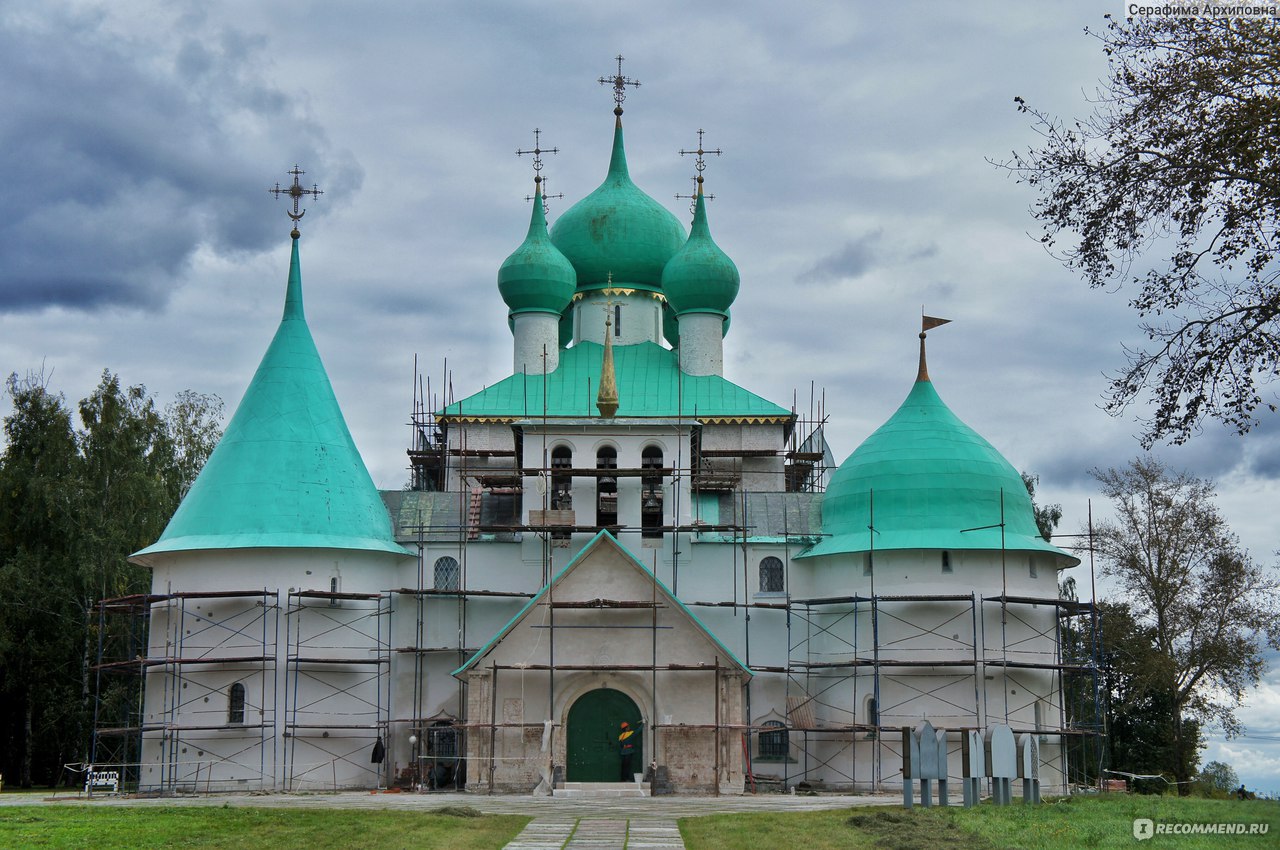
x=235 y=704
x=651 y=494
x=873 y=716
x=773 y=743
x=561 y=484
x=1031 y=566
x=334 y=601
x=448 y=576
x=771 y=578
x=607 y=486
x=866 y=563
x=946 y=562
x=617 y=321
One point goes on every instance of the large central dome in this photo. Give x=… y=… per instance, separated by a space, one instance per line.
x=618 y=231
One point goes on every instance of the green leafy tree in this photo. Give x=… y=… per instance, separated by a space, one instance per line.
x=1218 y=777
x=1196 y=613
x=39 y=620
x=1171 y=188
x=1047 y=516
x=74 y=503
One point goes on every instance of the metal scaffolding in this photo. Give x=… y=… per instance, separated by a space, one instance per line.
x=212 y=642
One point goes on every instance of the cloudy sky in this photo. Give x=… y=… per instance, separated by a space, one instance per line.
x=137 y=141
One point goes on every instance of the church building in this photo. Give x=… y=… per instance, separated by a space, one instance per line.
x=614 y=533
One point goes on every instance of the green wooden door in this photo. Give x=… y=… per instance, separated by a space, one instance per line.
x=593 y=736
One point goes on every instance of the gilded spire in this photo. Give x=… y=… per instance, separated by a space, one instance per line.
x=927 y=323
x=607 y=398
x=296 y=192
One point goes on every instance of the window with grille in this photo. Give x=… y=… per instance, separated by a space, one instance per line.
x=235 y=704
x=442 y=742
x=448 y=575
x=771 y=578
x=774 y=743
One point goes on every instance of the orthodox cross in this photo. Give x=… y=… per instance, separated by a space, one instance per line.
x=537 y=152
x=546 y=209
x=296 y=192
x=693 y=199
x=700 y=165
x=619 y=83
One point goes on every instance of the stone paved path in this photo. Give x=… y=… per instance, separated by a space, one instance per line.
x=599 y=834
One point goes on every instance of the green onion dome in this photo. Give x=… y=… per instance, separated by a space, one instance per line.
x=537 y=278
x=700 y=278
x=618 y=230
x=926 y=480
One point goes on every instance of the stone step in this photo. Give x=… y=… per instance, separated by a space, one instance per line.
x=602 y=786
x=605 y=790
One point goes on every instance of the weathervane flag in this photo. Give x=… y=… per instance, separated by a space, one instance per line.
x=928 y=323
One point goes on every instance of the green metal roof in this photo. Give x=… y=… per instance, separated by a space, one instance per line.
x=537 y=278
x=650 y=385
x=700 y=278
x=618 y=230
x=286 y=472
x=921 y=480
x=601 y=537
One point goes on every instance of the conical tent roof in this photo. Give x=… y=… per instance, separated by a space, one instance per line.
x=286 y=472
x=926 y=480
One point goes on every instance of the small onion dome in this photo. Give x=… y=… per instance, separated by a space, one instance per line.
x=926 y=480
x=537 y=278
x=618 y=229
x=700 y=278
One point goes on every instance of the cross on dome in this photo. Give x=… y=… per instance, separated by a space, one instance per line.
x=619 y=83
x=296 y=192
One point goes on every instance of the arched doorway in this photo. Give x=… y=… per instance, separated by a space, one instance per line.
x=592 y=741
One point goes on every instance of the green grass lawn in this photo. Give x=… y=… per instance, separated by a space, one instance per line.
x=1067 y=823
x=242 y=826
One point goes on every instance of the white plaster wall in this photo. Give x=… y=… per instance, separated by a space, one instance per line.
x=258 y=635
x=641 y=317
x=702 y=344
x=536 y=334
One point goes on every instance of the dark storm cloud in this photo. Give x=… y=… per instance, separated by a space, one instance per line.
x=858 y=256
x=121 y=157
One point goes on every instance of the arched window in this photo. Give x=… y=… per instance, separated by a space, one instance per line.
x=873 y=715
x=561 y=485
x=771 y=579
x=448 y=576
x=607 y=486
x=651 y=494
x=774 y=744
x=946 y=562
x=235 y=704
x=561 y=481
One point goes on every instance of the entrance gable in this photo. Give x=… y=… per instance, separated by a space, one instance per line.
x=607 y=611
